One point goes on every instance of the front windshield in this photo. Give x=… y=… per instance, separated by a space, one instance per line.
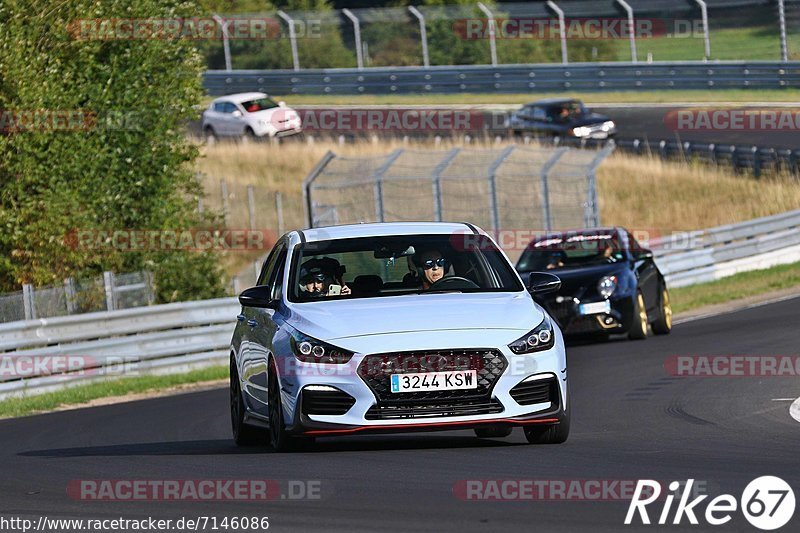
x=370 y=267
x=571 y=251
x=259 y=104
x=567 y=111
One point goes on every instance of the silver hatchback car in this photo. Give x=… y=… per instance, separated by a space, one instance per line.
x=395 y=327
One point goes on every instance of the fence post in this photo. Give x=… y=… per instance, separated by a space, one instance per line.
x=562 y=32
x=223 y=187
x=307 y=200
x=28 y=302
x=423 y=35
x=437 y=183
x=292 y=38
x=150 y=289
x=782 y=22
x=492 y=26
x=251 y=206
x=493 y=204
x=378 y=178
x=279 y=211
x=69 y=296
x=226 y=45
x=704 y=15
x=591 y=213
x=632 y=28
x=548 y=221
x=108 y=285
x=357 y=32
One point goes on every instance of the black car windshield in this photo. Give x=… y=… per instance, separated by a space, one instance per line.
x=259 y=104
x=369 y=267
x=571 y=251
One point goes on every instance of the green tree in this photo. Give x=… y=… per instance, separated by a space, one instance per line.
x=128 y=165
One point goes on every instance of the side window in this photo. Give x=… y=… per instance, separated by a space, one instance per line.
x=219 y=107
x=229 y=107
x=269 y=264
x=539 y=113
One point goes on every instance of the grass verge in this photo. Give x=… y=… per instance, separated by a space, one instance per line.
x=736 y=287
x=14 y=407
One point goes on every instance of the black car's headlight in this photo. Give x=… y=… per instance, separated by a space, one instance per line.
x=606 y=286
x=539 y=339
x=310 y=350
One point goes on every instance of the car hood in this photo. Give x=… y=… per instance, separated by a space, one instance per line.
x=589 y=119
x=340 y=319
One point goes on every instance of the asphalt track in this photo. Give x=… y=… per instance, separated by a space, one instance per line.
x=631 y=420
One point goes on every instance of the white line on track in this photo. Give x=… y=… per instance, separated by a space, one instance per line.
x=735 y=310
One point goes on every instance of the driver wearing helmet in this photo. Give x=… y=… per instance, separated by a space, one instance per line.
x=431 y=267
x=317 y=276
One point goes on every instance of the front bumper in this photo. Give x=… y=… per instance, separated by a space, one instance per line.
x=566 y=313
x=433 y=413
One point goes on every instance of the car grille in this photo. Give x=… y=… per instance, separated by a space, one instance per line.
x=536 y=391
x=376 y=370
x=327 y=402
x=562 y=312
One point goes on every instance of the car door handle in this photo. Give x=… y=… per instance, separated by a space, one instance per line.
x=240 y=318
x=252 y=323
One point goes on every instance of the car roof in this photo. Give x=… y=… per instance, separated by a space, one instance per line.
x=240 y=97
x=553 y=101
x=377 y=229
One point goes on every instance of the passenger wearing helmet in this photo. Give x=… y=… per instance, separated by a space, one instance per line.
x=317 y=276
x=431 y=267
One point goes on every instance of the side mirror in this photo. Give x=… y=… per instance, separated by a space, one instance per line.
x=237 y=114
x=543 y=283
x=257 y=296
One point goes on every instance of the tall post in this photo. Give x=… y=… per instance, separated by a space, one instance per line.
x=292 y=38
x=226 y=45
x=493 y=203
x=70 y=297
x=279 y=211
x=108 y=286
x=423 y=35
x=357 y=33
x=547 y=213
x=251 y=206
x=223 y=188
x=378 y=178
x=492 y=31
x=28 y=302
x=308 y=202
x=437 y=183
x=562 y=31
x=592 y=212
x=704 y=15
x=632 y=27
x=782 y=22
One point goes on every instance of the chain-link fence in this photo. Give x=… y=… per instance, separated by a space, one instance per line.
x=103 y=293
x=519 y=32
x=503 y=189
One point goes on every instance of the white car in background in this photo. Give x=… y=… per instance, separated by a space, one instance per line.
x=249 y=116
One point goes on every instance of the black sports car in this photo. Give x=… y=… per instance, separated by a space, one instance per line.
x=609 y=283
x=560 y=117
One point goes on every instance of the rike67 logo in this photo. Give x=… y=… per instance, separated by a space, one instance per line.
x=767 y=503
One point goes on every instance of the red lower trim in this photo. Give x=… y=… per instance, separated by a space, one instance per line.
x=512 y=421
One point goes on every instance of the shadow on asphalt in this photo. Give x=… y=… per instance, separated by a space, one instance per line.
x=226 y=446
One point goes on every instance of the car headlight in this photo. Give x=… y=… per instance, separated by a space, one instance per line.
x=608 y=125
x=581 y=131
x=606 y=286
x=539 y=339
x=310 y=350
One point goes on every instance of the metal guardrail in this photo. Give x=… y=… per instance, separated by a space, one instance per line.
x=707 y=255
x=511 y=78
x=150 y=340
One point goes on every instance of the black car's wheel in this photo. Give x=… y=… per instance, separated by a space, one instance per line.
x=639 y=324
x=492 y=432
x=551 y=434
x=243 y=435
x=281 y=441
x=663 y=324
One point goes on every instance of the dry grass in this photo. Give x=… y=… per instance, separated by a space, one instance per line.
x=636 y=192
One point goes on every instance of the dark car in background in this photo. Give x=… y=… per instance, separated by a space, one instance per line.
x=609 y=283
x=560 y=117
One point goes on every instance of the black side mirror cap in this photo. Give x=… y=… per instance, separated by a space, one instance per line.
x=257 y=296
x=543 y=283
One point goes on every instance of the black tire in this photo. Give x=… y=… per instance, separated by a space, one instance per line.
x=638 y=330
x=663 y=324
x=210 y=137
x=492 y=432
x=280 y=440
x=554 y=433
x=243 y=434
